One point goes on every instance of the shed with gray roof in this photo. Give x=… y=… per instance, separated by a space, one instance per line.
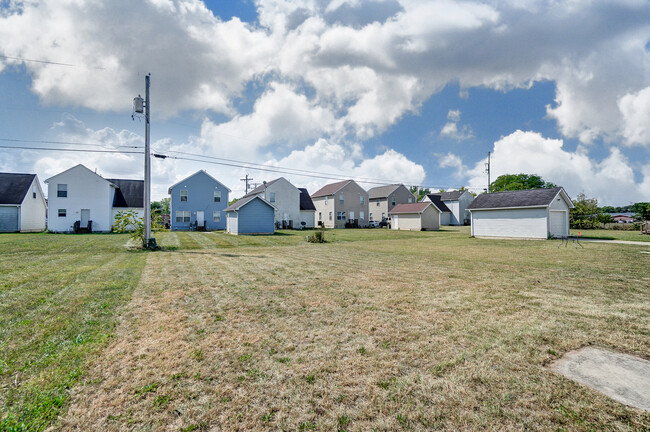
x=532 y=213
x=22 y=204
x=250 y=215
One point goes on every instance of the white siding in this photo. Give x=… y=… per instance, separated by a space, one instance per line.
x=86 y=190
x=445 y=218
x=521 y=223
x=454 y=216
x=287 y=201
x=231 y=223
x=308 y=217
x=32 y=210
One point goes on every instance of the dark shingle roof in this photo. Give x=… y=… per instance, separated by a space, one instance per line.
x=14 y=187
x=261 y=187
x=330 y=189
x=130 y=193
x=382 y=191
x=243 y=201
x=437 y=201
x=410 y=208
x=519 y=198
x=305 y=200
x=450 y=196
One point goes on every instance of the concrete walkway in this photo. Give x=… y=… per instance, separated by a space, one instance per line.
x=622 y=377
x=642 y=243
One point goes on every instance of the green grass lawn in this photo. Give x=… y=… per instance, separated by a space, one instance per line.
x=611 y=234
x=374 y=330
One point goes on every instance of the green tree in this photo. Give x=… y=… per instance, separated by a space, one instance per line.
x=585 y=213
x=419 y=192
x=508 y=182
x=129 y=221
x=642 y=210
x=160 y=207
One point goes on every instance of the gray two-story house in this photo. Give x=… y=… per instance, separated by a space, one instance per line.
x=341 y=204
x=198 y=201
x=384 y=198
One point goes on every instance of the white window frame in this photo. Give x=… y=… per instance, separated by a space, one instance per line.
x=362 y=216
x=62 y=213
x=184 y=196
x=340 y=216
x=217 y=196
x=271 y=196
x=330 y=215
x=341 y=199
x=393 y=201
x=184 y=216
x=216 y=216
x=61 y=190
x=361 y=199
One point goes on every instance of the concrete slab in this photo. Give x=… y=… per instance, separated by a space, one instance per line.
x=622 y=377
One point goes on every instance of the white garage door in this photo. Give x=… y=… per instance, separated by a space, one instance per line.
x=8 y=219
x=558 y=224
x=522 y=223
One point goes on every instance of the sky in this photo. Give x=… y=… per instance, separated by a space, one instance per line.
x=385 y=91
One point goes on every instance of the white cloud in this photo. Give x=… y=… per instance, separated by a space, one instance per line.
x=611 y=180
x=450 y=129
x=451 y=160
x=636 y=117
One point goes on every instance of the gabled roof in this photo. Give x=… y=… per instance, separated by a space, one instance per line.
x=519 y=198
x=305 y=200
x=382 y=191
x=450 y=196
x=77 y=166
x=14 y=187
x=437 y=201
x=245 y=200
x=330 y=189
x=262 y=187
x=418 y=207
x=129 y=193
x=169 y=191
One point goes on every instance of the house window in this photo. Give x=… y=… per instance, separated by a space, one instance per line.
x=183 y=195
x=383 y=215
x=216 y=216
x=340 y=216
x=325 y=200
x=377 y=203
x=330 y=215
x=62 y=190
x=272 y=197
x=62 y=213
x=361 y=216
x=361 y=199
x=393 y=201
x=410 y=200
x=320 y=216
x=370 y=216
x=182 y=216
x=340 y=199
x=217 y=196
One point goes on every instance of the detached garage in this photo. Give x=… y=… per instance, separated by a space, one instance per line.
x=422 y=216
x=534 y=213
x=22 y=204
x=250 y=215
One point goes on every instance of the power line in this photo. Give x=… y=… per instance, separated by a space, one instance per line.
x=62 y=142
x=47 y=62
x=71 y=150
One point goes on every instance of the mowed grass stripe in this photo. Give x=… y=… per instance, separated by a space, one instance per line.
x=53 y=322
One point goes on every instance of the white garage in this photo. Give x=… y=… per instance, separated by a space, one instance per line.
x=534 y=213
x=22 y=204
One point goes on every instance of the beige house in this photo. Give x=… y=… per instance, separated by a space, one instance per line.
x=383 y=199
x=423 y=216
x=341 y=205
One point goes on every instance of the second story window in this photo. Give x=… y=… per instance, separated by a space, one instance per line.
x=62 y=190
x=361 y=199
x=183 y=195
x=272 y=197
x=217 y=196
x=341 y=199
x=393 y=201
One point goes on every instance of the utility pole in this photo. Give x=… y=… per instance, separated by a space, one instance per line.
x=487 y=170
x=246 y=179
x=138 y=108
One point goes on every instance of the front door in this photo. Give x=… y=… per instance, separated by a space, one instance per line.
x=199 y=218
x=85 y=217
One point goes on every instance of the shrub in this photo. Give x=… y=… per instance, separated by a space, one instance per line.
x=318 y=236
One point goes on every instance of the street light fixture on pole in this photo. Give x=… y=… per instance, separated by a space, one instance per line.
x=138 y=105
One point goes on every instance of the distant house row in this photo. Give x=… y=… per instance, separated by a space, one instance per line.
x=81 y=200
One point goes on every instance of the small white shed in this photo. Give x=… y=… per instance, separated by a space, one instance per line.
x=533 y=213
x=422 y=216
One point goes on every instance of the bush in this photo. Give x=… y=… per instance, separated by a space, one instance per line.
x=129 y=221
x=318 y=236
